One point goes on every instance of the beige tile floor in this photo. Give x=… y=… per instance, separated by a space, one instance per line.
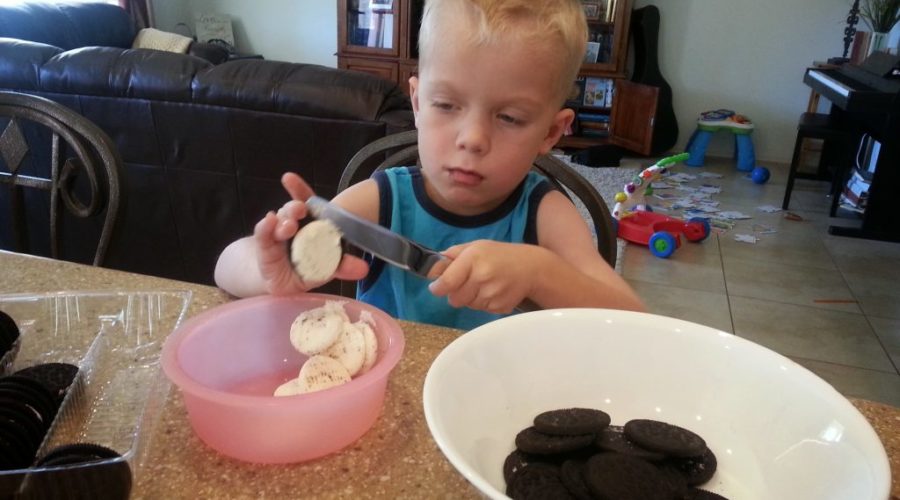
x=831 y=304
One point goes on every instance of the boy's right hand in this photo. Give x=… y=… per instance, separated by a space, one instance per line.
x=275 y=229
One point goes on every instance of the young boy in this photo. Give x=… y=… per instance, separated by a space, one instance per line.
x=493 y=75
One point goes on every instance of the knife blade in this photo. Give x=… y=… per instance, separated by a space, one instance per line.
x=377 y=240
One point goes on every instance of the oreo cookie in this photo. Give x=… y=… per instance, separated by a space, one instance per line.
x=611 y=464
x=15 y=450
x=612 y=475
x=516 y=461
x=57 y=377
x=9 y=336
x=530 y=440
x=700 y=494
x=613 y=439
x=537 y=481
x=17 y=397
x=696 y=470
x=571 y=473
x=23 y=421
x=571 y=421
x=90 y=472
x=9 y=330
x=32 y=392
x=666 y=438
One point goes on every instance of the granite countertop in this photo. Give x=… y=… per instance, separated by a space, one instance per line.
x=396 y=459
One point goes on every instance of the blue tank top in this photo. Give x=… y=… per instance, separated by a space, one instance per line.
x=406 y=209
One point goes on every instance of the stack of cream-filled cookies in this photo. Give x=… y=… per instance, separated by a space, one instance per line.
x=338 y=349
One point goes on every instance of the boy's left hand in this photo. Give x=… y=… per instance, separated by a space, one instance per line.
x=488 y=275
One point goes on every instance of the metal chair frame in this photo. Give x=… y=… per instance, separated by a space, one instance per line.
x=96 y=157
x=402 y=149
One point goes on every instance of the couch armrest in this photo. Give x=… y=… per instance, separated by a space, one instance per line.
x=67 y=25
x=21 y=61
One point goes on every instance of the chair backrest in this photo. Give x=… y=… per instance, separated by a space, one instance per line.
x=402 y=149
x=33 y=122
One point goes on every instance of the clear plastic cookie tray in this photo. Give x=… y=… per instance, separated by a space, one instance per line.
x=114 y=338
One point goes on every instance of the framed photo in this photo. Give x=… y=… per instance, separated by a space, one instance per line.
x=214 y=26
x=592 y=52
x=593 y=10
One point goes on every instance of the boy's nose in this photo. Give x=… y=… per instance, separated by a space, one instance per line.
x=474 y=136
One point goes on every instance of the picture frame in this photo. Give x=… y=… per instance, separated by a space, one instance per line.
x=592 y=52
x=593 y=10
x=214 y=26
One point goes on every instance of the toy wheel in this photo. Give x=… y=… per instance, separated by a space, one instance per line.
x=706 y=228
x=662 y=244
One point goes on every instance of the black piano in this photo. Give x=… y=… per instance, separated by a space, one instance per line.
x=866 y=100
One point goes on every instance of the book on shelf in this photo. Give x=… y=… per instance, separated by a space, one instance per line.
x=592 y=117
x=577 y=97
x=594 y=133
x=595 y=125
x=598 y=92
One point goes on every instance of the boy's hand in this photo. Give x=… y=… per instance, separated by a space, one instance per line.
x=488 y=275
x=275 y=229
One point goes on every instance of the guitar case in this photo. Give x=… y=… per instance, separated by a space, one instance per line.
x=645 y=32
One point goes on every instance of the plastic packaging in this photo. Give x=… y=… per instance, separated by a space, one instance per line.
x=115 y=339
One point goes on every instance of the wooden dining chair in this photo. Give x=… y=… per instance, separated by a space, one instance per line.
x=402 y=149
x=45 y=146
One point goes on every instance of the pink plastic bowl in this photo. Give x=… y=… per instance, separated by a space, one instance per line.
x=228 y=361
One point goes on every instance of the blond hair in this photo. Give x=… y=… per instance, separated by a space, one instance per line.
x=558 y=26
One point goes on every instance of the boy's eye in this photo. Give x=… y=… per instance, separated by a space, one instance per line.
x=510 y=119
x=445 y=106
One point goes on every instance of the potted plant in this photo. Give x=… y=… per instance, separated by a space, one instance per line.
x=881 y=16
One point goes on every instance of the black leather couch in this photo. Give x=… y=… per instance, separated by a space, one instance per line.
x=204 y=144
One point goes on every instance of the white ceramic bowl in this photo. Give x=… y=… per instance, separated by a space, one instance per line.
x=778 y=430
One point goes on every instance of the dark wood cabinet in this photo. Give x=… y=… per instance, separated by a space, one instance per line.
x=634 y=116
x=381 y=37
x=626 y=115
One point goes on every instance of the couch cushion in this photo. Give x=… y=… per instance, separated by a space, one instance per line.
x=113 y=72
x=299 y=89
x=68 y=26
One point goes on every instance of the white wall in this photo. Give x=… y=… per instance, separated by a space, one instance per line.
x=281 y=30
x=746 y=55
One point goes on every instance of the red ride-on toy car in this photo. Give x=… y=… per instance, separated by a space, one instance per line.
x=637 y=224
x=661 y=233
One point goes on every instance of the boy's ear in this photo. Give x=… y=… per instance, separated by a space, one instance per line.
x=414 y=97
x=558 y=126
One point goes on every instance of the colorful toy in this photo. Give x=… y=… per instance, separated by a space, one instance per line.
x=726 y=120
x=637 y=224
x=760 y=175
